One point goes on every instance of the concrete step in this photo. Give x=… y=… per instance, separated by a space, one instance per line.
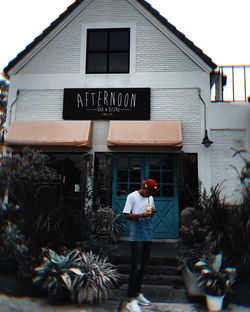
x=152 y=269
x=167 y=250
x=170 y=280
x=156 y=293
x=162 y=269
x=122 y=259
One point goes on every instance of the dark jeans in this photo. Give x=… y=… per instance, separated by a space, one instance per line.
x=140 y=252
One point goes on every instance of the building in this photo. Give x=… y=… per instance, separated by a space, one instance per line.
x=116 y=94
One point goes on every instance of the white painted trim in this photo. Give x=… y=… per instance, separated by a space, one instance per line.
x=132 y=54
x=171 y=36
x=157 y=80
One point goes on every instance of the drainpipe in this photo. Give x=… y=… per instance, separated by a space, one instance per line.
x=17 y=93
x=11 y=106
x=6 y=195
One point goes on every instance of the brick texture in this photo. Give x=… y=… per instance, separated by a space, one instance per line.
x=62 y=53
x=222 y=160
x=40 y=105
x=179 y=104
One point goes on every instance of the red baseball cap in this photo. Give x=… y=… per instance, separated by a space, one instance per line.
x=150 y=184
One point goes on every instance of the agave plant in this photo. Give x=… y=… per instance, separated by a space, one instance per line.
x=96 y=278
x=57 y=271
x=215 y=280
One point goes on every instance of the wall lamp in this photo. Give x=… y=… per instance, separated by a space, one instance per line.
x=205 y=140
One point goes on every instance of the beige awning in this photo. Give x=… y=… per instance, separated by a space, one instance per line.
x=145 y=133
x=50 y=133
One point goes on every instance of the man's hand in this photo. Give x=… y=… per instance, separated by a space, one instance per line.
x=149 y=214
x=146 y=214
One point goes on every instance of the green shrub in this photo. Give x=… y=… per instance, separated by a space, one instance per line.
x=31 y=196
x=55 y=273
x=13 y=249
x=107 y=223
x=96 y=278
x=212 y=226
x=217 y=281
x=83 y=276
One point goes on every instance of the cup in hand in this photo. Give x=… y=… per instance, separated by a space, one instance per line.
x=149 y=208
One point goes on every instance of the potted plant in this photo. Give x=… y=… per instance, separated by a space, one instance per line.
x=216 y=281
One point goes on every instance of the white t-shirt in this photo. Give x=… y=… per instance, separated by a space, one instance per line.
x=136 y=203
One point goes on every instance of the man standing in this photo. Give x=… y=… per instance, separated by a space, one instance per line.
x=139 y=209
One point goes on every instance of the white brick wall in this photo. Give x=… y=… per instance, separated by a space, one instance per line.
x=179 y=104
x=100 y=132
x=166 y=104
x=154 y=52
x=39 y=105
x=222 y=161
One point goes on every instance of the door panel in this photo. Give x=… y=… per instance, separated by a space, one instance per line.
x=130 y=170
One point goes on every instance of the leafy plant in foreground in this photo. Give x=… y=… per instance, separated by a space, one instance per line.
x=56 y=272
x=96 y=278
x=13 y=249
x=216 y=281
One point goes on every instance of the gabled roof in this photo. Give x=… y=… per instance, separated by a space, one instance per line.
x=144 y=3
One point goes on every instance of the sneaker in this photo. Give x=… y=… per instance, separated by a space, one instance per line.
x=133 y=306
x=142 y=300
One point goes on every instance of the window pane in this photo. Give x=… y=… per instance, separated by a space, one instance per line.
x=122 y=189
x=122 y=163
x=135 y=176
x=134 y=187
x=167 y=164
x=155 y=175
x=118 y=63
x=97 y=40
x=167 y=177
x=135 y=163
x=122 y=176
x=97 y=63
x=155 y=163
x=119 y=40
x=167 y=191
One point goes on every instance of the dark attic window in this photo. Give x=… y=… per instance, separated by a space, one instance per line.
x=108 y=51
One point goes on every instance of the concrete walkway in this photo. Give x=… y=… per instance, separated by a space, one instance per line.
x=13 y=304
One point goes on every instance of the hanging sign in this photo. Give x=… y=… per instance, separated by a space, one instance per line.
x=112 y=104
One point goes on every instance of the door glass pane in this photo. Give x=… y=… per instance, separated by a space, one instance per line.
x=135 y=176
x=167 y=164
x=122 y=189
x=122 y=163
x=122 y=176
x=155 y=163
x=135 y=163
x=134 y=187
x=167 y=191
x=155 y=175
x=158 y=193
x=167 y=177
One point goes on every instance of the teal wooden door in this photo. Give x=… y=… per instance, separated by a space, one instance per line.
x=130 y=170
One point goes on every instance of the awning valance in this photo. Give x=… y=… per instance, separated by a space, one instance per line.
x=50 y=133
x=145 y=133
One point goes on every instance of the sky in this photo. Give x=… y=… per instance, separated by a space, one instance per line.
x=221 y=28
